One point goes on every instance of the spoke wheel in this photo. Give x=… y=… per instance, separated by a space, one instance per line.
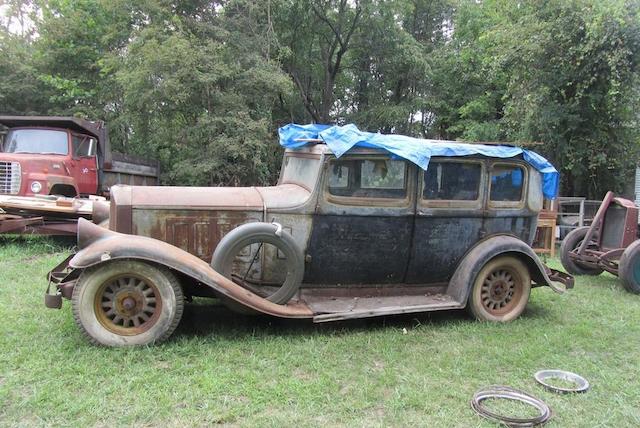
x=501 y=290
x=127 y=302
x=127 y=305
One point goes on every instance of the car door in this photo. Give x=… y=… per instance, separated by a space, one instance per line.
x=449 y=217
x=85 y=163
x=362 y=227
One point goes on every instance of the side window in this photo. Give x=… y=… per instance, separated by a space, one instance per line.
x=452 y=181
x=368 y=178
x=506 y=183
x=83 y=146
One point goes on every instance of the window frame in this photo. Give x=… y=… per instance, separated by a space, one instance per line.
x=398 y=202
x=520 y=204
x=454 y=203
x=93 y=145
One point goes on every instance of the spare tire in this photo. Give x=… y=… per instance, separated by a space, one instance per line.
x=629 y=268
x=262 y=233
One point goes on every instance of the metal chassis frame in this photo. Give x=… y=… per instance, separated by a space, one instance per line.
x=597 y=258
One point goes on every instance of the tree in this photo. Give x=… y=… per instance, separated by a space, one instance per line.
x=198 y=97
x=389 y=67
x=575 y=87
x=316 y=36
x=203 y=85
x=563 y=73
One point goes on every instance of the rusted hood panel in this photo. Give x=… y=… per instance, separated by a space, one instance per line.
x=196 y=198
x=100 y=245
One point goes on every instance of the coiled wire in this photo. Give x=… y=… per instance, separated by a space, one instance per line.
x=508 y=393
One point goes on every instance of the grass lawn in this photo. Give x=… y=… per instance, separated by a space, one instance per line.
x=237 y=370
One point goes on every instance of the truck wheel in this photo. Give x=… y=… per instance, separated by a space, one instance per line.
x=247 y=247
x=629 y=268
x=127 y=302
x=571 y=242
x=501 y=290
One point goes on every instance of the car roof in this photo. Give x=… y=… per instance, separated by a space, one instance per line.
x=322 y=148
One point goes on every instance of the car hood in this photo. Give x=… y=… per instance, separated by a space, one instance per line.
x=212 y=198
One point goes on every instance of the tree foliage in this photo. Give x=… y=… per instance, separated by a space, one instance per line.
x=203 y=85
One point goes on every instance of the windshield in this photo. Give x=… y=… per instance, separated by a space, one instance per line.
x=301 y=171
x=43 y=141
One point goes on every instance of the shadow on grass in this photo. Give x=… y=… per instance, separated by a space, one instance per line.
x=40 y=243
x=535 y=310
x=205 y=318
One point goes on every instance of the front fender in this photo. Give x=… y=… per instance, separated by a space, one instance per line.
x=465 y=275
x=100 y=245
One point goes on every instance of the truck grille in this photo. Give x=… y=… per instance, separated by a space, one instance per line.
x=10 y=176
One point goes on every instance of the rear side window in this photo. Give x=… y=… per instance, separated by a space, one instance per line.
x=506 y=183
x=452 y=181
x=368 y=178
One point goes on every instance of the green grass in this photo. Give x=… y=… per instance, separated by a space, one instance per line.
x=245 y=371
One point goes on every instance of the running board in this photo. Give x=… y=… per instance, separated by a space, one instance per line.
x=381 y=306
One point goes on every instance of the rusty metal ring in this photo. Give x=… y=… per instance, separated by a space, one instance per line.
x=507 y=393
x=582 y=385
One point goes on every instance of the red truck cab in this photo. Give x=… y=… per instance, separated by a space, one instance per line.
x=67 y=156
x=47 y=160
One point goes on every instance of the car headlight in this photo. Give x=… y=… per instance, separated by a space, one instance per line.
x=36 y=187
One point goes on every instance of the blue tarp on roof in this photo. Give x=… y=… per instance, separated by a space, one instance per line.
x=419 y=151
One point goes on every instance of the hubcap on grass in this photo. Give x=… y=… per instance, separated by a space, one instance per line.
x=127 y=305
x=500 y=291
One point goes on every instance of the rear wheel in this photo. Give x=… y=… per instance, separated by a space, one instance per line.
x=629 y=268
x=127 y=302
x=501 y=290
x=571 y=242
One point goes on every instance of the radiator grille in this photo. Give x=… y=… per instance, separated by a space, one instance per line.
x=10 y=176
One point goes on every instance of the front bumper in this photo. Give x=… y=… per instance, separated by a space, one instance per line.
x=561 y=277
x=63 y=278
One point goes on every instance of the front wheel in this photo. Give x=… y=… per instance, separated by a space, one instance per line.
x=501 y=290
x=572 y=242
x=127 y=302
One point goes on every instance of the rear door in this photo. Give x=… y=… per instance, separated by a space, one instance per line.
x=449 y=218
x=362 y=228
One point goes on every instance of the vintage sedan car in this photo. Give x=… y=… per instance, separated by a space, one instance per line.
x=366 y=234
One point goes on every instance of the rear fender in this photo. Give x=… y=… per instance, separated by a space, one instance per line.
x=99 y=245
x=463 y=278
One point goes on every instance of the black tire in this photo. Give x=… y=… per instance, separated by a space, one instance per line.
x=127 y=302
x=501 y=290
x=253 y=233
x=629 y=268
x=570 y=243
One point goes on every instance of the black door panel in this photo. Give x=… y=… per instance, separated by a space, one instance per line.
x=349 y=249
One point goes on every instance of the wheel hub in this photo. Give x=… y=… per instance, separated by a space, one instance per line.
x=127 y=305
x=498 y=290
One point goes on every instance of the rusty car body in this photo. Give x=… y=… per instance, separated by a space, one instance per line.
x=363 y=235
x=609 y=244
